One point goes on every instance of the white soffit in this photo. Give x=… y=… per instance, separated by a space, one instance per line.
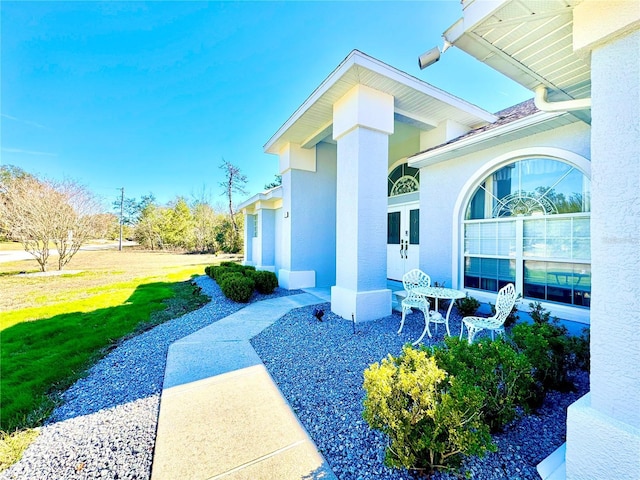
x=473 y=142
x=416 y=102
x=268 y=198
x=530 y=41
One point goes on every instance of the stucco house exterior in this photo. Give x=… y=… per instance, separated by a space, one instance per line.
x=382 y=173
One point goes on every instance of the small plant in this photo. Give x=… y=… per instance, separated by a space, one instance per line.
x=318 y=313
x=237 y=287
x=467 y=306
x=503 y=375
x=430 y=417
x=539 y=314
x=266 y=282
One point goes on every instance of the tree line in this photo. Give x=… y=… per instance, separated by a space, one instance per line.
x=43 y=214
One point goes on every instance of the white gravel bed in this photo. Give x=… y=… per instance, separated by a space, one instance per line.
x=106 y=427
x=319 y=368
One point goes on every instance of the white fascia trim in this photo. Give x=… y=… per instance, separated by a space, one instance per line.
x=431 y=157
x=358 y=58
x=272 y=194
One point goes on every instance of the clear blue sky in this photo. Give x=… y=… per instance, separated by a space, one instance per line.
x=151 y=96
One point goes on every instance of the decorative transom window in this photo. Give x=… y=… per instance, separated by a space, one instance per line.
x=528 y=223
x=403 y=179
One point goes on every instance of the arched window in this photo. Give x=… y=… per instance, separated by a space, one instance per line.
x=529 y=223
x=403 y=179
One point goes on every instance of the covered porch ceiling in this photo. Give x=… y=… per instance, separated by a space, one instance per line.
x=416 y=103
x=529 y=41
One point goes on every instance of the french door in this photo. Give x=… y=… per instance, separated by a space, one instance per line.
x=403 y=239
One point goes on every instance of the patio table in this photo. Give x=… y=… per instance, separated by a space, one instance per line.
x=438 y=293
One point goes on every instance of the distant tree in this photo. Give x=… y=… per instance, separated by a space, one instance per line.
x=176 y=227
x=149 y=223
x=40 y=212
x=233 y=183
x=204 y=223
x=276 y=183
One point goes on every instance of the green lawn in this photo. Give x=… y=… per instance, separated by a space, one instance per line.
x=54 y=328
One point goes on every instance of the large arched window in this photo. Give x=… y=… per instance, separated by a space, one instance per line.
x=528 y=223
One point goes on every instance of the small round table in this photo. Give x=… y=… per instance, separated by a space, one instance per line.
x=438 y=293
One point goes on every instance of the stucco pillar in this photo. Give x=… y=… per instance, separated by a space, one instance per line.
x=362 y=123
x=603 y=427
x=265 y=259
x=297 y=221
x=248 y=238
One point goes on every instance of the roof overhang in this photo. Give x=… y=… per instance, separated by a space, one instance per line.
x=529 y=41
x=270 y=199
x=536 y=123
x=415 y=102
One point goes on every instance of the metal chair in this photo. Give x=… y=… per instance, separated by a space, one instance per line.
x=504 y=303
x=410 y=280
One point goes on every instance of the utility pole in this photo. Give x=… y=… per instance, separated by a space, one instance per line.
x=121 y=210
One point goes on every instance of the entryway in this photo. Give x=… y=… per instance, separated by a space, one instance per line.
x=403 y=239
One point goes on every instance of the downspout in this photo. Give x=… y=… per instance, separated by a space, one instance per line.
x=566 y=106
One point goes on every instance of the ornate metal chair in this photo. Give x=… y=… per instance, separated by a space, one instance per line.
x=504 y=303
x=410 y=280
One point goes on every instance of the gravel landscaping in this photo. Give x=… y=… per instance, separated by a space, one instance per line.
x=318 y=367
x=106 y=426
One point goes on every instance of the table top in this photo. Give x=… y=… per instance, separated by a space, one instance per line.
x=439 y=292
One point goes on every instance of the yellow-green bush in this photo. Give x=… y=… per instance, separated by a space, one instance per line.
x=430 y=417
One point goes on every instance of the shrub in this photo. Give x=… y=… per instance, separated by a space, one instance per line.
x=551 y=351
x=237 y=287
x=503 y=375
x=266 y=282
x=467 y=306
x=431 y=418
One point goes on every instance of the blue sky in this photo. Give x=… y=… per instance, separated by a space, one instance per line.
x=151 y=96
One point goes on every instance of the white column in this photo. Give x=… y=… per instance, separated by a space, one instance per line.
x=603 y=427
x=297 y=221
x=362 y=123
x=266 y=237
x=248 y=237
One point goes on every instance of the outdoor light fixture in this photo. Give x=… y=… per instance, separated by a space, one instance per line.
x=432 y=56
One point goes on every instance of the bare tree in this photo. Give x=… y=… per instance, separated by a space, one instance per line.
x=37 y=213
x=233 y=183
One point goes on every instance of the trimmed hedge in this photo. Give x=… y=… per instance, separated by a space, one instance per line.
x=237 y=287
x=236 y=280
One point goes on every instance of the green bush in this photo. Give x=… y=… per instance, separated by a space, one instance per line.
x=551 y=351
x=467 y=306
x=503 y=375
x=237 y=287
x=430 y=417
x=266 y=282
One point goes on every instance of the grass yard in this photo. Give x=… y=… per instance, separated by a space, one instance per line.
x=54 y=327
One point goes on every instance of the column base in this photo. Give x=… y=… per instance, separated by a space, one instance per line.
x=294 y=279
x=365 y=306
x=599 y=446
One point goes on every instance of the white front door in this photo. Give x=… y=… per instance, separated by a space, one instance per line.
x=403 y=239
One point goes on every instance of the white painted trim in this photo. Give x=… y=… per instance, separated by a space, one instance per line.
x=360 y=59
x=273 y=194
x=430 y=157
x=578 y=161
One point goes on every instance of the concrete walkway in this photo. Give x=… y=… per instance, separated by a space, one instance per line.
x=221 y=414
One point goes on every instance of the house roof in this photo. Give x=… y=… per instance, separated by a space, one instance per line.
x=529 y=41
x=415 y=102
x=268 y=199
x=512 y=123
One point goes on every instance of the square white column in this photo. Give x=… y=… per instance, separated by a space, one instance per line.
x=603 y=428
x=363 y=121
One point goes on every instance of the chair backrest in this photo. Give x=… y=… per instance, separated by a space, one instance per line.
x=504 y=303
x=415 y=278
